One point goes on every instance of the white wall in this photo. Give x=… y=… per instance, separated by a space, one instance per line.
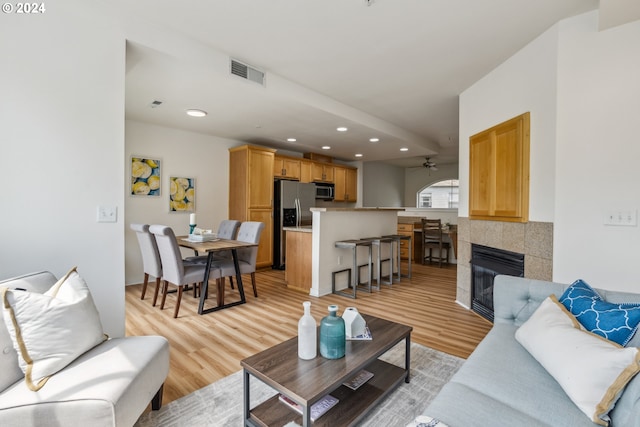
x=185 y=154
x=384 y=185
x=525 y=82
x=581 y=87
x=597 y=154
x=62 y=142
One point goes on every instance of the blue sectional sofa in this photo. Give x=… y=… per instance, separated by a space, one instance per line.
x=502 y=384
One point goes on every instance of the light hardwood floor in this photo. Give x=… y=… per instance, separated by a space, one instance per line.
x=207 y=348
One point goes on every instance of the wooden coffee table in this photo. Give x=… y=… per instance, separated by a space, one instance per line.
x=307 y=381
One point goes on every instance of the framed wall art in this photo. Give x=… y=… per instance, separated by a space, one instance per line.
x=145 y=176
x=182 y=194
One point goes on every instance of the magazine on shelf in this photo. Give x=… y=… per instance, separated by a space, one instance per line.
x=361 y=377
x=317 y=409
x=364 y=337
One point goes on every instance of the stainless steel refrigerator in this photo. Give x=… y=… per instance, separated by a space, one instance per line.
x=292 y=201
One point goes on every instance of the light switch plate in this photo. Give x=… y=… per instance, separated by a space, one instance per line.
x=107 y=213
x=626 y=218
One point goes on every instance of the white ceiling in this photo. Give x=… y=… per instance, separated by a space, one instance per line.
x=391 y=70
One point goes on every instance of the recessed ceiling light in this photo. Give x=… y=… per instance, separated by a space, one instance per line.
x=291 y=139
x=374 y=139
x=358 y=155
x=404 y=149
x=196 y=113
x=342 y=129
x=326 y=147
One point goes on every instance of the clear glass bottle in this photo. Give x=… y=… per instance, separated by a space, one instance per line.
x=307 y=334
x=332 y=335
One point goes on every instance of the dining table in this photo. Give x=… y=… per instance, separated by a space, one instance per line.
x=210 y=247
x=450 y=232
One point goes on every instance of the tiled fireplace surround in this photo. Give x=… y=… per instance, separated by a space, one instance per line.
x=533 y=239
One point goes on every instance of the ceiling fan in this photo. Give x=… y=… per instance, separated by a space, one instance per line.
x=430 y=165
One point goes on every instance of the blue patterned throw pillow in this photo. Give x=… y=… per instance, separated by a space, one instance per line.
x=615 y=322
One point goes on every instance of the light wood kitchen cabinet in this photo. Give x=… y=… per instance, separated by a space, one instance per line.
x=297 y=272
x=251 y=193
x=351 y=185
x=285 y=167
x=346 y=184
x=322 y=172
x=499 y=172
x=406 y=230
x=305 y=171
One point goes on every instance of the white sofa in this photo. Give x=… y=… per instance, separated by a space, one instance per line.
x=109 y=385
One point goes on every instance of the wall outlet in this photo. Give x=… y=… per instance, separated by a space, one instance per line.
x=107 y=213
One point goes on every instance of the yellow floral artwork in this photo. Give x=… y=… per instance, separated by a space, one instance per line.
x=145 y=176
x=182 y=194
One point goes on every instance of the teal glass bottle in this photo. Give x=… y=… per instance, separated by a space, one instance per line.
x=332 y=335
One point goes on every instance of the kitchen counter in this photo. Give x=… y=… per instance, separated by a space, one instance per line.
x=356 y=209
x=301 y=229
x=409 y=219
x=331 y=225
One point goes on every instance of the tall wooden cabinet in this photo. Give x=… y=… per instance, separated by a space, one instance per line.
x=499 y=172
x=251 y=193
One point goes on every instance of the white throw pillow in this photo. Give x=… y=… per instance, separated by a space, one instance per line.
x=592 y=371
x=51 y=330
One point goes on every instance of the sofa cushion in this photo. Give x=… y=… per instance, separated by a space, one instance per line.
x=35 y=282
x=110 y=385
x=51 y=330
x=592 y=371
x=616 y=322
x=501 y=384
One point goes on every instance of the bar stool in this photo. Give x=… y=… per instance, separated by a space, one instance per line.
x=354 y=276
x=398 y=238
x=378 y=242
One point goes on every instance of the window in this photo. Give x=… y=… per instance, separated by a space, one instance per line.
x=425 y=200
x=443 y=194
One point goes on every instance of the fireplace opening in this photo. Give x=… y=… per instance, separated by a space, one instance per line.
x=487 y=263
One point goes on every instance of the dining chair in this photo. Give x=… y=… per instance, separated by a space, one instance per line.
x=227 y=229
x=249 y=232
x=174 y=269
x=151 y=264
x=432 y=239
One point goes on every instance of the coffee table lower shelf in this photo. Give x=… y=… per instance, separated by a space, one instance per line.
x=353 y=405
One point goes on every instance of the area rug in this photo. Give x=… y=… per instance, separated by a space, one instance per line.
x=220 y=403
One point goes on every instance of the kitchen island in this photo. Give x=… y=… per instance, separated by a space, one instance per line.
x=329 y=226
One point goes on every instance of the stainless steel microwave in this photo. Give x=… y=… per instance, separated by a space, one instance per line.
x=324 y=191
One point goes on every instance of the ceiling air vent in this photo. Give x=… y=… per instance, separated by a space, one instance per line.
x=247 y=72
